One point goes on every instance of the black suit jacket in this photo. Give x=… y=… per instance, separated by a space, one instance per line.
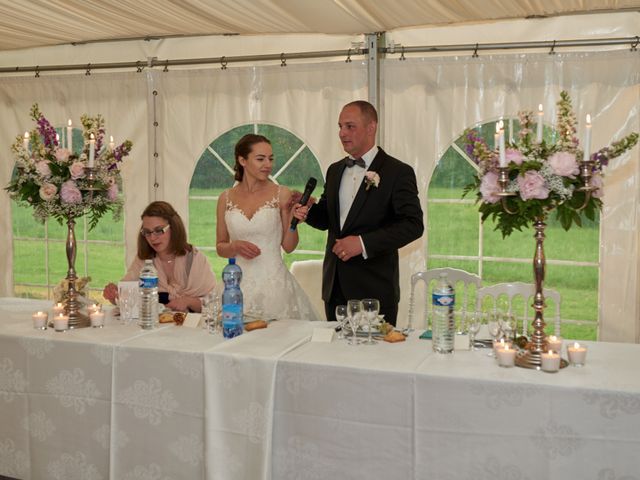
x=387 y=217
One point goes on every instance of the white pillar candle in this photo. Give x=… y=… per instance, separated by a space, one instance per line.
x=58 y=308
x=60 y=322
x=506 y=356
x=58 y=139
x=577 y=354
x=70 y=136
x=97 y=319
x=496 y=137
x=92 y=149
x=539 y=129
x=40 y=320
x=554 y=343
x=503 y=158
x=25 y=141
x=550 y=361
x=112 y=145
x=587 y=140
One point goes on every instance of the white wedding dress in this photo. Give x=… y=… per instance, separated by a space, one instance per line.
x=267 y=285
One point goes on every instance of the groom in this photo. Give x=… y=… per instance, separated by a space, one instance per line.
x=370 y=207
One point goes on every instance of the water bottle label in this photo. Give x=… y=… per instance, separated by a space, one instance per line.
x=443 y=300
x=148 y=282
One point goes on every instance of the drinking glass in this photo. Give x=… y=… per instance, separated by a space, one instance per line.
x=341 y=316
x=354 y=312
x=493 y=327
x=124 y=302
x=473 y=321
x=508 y=325
x=211 y=311
x=370 y=308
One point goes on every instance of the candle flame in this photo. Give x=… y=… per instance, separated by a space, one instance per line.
x=588 y=120
x=576 y=345
x=69 y=122
x=111 y=138
x=540 y=108
x=92 y=136
x=26 y=135
x=40 y=313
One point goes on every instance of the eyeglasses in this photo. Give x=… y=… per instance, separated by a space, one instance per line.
x=156 y=232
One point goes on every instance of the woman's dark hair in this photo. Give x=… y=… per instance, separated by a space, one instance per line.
x=243 y=149
x=178 y=244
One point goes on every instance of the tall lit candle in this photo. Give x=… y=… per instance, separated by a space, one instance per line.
x=539 y=129
x=503 y=158
x=496 y=137
x=587 y=139
x=112 y=145
x=57 y=139
x=92 y=149
x=70 y=136
x=25 y=141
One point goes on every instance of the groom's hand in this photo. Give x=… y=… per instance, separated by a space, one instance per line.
x=347 y=247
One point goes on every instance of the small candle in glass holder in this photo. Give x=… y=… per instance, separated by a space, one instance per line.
x=506 y=356
x=577 y=354
x=40 y=320
x=97 y=319
x=554 y=343
x=58 y=308
x=60 y=322
x=96 y=307
x=550 y=361
x=500 y=344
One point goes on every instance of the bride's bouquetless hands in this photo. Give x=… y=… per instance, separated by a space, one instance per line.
x=245 y=249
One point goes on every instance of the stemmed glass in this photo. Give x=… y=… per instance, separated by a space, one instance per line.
x=493 y=326
x=473 y=321
x=370 y=307
x=341 y=316
x=354 y=312
x=508 y=325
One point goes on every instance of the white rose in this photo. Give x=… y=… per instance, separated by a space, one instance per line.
x=77 y=170
x=48 y=191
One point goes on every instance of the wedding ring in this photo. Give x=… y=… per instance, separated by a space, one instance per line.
x=343 y=253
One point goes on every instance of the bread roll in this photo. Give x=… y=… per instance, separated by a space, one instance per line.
x=255 y=325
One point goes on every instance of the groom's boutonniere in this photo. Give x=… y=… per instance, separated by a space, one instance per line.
x=372 y=179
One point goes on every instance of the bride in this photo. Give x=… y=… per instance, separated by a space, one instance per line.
x=253 y=219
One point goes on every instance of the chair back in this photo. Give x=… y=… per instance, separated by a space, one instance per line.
x=308 y=273
x=527 y=292
x=461 y=281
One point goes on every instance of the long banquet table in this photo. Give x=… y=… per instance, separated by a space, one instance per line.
x=178 y=403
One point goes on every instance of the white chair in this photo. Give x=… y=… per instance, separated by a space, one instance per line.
x=526 y=291
x=456 y=277
x=308 y=273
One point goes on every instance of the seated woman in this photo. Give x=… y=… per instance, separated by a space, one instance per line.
x=184 y=274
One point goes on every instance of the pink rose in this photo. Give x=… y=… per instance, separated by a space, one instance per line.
x=513 y=155
x=48 y=191
x=489 y=187
x=564 y=164
x=112 y=192
x=77 y=170
x=532 y=185
x=42 y=167
x=596 y=181
x=62 y=154
x=70 y=192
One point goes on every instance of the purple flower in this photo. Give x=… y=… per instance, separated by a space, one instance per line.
x=489 y=187
x=513 y=155
x=112 y=192
x=564 y=164
x=70 y=193
x=596 y=181
x=532 y=185
x=47 y=131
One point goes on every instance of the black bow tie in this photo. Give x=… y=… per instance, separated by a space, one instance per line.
x=355 y=161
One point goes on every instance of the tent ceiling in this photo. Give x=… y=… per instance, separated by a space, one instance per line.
x=34 y=23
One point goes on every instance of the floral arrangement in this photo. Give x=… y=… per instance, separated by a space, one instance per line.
x=542 y=176
x=61 y=291
x=371 y=179
x=53 y=180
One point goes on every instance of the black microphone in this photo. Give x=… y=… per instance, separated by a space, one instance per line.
x=308 y=189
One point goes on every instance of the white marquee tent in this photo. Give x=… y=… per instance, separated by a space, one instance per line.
x=426 y=101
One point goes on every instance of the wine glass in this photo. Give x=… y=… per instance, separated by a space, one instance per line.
x=354 y=312
x=473 y=321
x=370 y=308
x=493 y=326
x=508 y=325
x=341 y=316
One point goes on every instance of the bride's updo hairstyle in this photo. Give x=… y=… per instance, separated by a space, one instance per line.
x=178 y=242
x=243 y=149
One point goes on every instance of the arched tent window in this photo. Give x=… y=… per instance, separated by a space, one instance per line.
x=294 y=163
x=39 y=256
x=456 y=238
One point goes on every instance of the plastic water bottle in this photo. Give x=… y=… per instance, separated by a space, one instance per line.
x=443 y=297
x=232 y=324
x=148 y=286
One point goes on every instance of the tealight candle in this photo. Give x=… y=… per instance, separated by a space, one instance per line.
x=502 y=343
x=577 y=354
x=96 y=307
x=40 y=320
x=58 y=308
x=97 y=319
x=60 y=322
x=554 y=343
x=550 y=362
x=506 y=356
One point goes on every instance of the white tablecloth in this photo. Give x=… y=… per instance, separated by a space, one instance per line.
x=178 y=403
